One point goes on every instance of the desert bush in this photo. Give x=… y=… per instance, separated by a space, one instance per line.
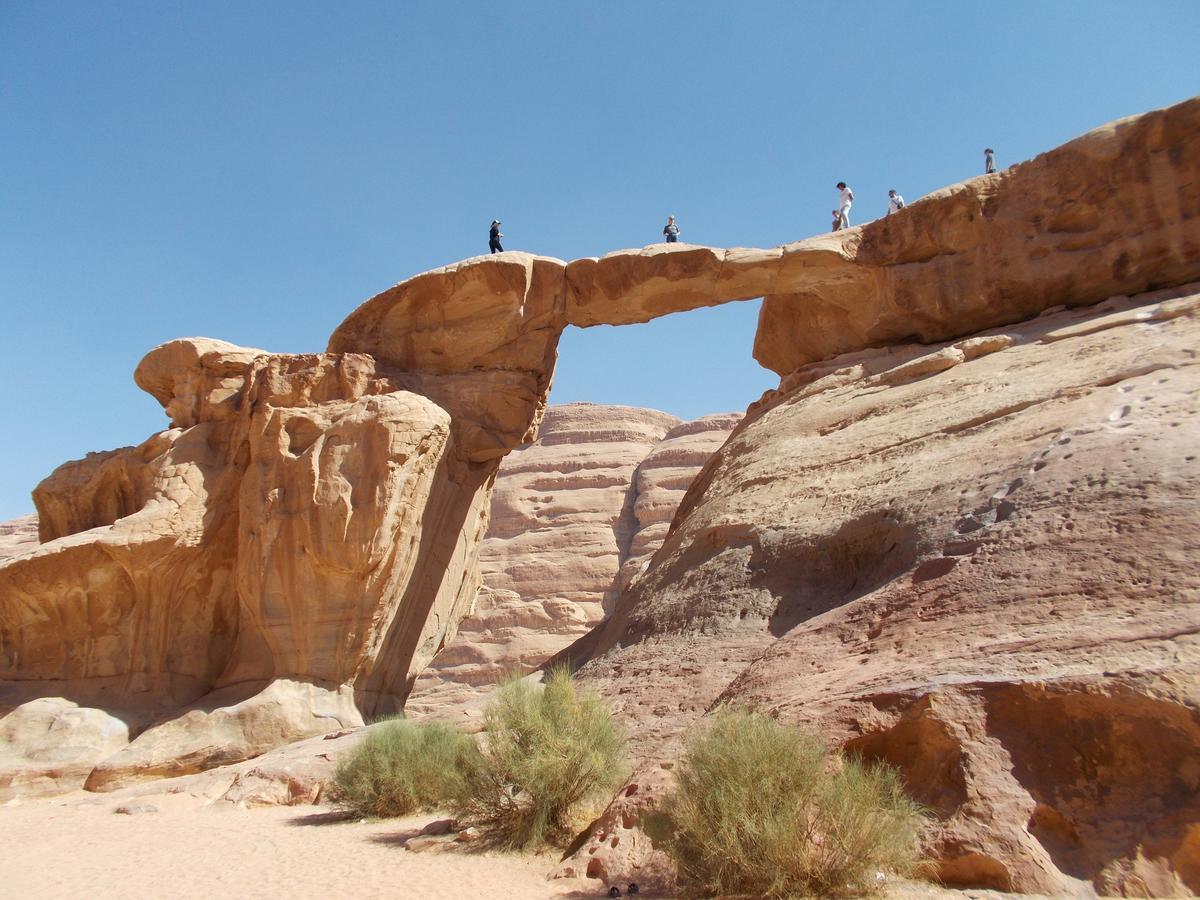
x=402 y=768
x=764 y=810
x=547 y=753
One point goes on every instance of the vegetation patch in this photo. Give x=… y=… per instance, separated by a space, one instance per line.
x=549 y=752
x=402 y=768
x=764 y=810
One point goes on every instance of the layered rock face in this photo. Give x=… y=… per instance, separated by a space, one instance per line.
x=18 y=536
x=574 y=516
x=304 y=538
x=301 y=512
x=972 y=561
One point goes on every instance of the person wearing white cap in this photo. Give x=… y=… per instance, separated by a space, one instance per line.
x=494 y=237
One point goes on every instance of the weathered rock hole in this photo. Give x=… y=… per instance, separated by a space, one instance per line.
x=1110 y=775
x=928 y=758
x=975 y=870
x=302 y=433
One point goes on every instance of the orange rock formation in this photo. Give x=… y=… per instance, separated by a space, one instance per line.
x=971 y=559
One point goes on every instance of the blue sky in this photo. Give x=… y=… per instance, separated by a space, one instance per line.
x=253 y=171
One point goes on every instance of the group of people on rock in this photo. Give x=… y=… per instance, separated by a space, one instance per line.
x=841 y=215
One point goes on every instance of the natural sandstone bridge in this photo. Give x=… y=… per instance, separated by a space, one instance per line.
x=306 y=532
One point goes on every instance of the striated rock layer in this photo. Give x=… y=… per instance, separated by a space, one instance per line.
x=574 y=516
x=307 y=531
x=18 y=536
x=974 y=561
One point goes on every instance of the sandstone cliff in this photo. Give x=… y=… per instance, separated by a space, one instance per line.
x=909 y=547
x=574 y=517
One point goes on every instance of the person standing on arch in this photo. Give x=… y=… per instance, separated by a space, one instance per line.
x=989 y=161
x=494 y=237
x=845 y=201
x=895 y=202
x=671 y=231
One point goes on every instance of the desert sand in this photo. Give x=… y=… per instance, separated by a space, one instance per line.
x=81 y=848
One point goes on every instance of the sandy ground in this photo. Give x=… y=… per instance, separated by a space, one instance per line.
x=78 y=847
x=70 y=850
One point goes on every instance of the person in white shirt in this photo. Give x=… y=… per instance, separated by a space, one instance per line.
x=845 y=201
x=895 y=202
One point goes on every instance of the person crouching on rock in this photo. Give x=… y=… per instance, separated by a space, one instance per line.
x=837 y=221
x=671 y=231
x=494 y=237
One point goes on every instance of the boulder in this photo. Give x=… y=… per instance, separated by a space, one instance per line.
x=210 y=735
x=49 y=746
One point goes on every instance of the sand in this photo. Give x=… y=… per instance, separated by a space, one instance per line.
x=169 y=848
x=73 y=849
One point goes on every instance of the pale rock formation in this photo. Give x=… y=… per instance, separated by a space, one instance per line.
x=662 y=479
x=50 y=745
x=212 y=735
x=972 y=561
x=305 y=518
x=18 y=536
x=574 y=515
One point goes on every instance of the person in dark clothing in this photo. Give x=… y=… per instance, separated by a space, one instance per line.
x=671 y=231
x=494 y=237
x=837 y=221
x=989 y=161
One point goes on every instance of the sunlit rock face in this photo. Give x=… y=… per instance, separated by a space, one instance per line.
x=974 y=561
x=305 y=535
x=18 y=536
x=574 y=516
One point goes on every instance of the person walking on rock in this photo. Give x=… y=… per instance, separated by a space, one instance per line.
x=671 y=231
x=494 y=237
x=845 y=201
x=989 y=161
x=895 y=202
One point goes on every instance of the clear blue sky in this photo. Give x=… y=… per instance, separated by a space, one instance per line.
x=253 y=171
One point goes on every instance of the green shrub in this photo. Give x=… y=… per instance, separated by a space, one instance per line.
x=762 y=809
x=548 y=752
x=402 y=768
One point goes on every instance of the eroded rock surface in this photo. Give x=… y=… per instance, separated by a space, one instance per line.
x=18 y=536
x=973 y=561
x=574 y=516
x=305 y=518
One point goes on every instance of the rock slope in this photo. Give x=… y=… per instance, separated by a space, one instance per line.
x=574 y=516
x=971 y=560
